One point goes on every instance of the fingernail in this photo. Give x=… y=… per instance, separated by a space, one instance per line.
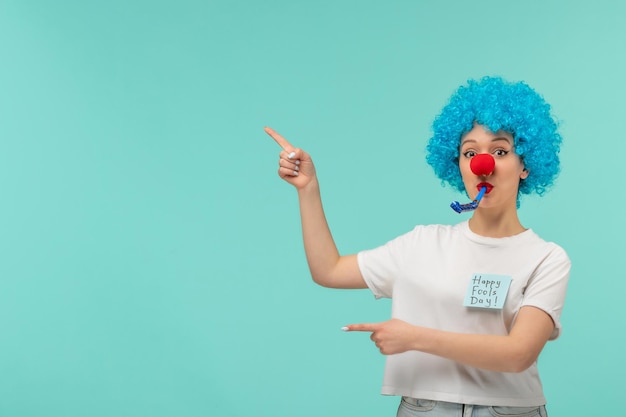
x=295 y=173
x=297 y=162
x=297 y=168
x=291 y=155
x=345 y=328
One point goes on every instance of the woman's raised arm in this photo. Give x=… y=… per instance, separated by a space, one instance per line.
x=328 y=268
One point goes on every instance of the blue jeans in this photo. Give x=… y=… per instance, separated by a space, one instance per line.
x=411 y=407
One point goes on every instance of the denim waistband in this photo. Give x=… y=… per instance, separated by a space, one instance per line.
x=443 y=408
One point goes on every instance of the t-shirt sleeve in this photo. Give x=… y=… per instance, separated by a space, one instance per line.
x=546 y=289
x=381 y=266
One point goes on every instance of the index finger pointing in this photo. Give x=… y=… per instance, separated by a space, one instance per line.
x=282 y=142
x=365 y=327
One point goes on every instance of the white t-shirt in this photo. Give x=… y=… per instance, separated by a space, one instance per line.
x=426 y=273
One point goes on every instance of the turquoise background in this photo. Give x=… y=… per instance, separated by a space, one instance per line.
x=151 y=258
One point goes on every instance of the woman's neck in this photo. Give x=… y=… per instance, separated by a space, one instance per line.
x=487 y=223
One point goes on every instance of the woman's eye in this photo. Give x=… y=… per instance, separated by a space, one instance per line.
x=469 y=154
x=500 y=152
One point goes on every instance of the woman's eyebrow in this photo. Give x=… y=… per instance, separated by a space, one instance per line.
x=499 y=138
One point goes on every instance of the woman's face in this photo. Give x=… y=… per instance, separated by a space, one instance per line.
x=503 y=183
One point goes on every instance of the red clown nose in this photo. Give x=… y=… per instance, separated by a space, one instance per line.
x=482 y=164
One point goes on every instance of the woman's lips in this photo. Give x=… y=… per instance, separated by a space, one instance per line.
x=485 y=184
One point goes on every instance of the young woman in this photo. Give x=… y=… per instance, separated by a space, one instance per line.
x=474 y=303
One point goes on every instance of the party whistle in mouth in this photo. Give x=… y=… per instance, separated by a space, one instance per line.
x=482 y=164
x=460 y=208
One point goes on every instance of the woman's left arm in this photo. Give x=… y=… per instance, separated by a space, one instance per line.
x=512 y=353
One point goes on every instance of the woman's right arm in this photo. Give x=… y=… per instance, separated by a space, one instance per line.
x=328 y=268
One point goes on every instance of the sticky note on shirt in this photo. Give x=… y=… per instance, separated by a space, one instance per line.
x=487 y=291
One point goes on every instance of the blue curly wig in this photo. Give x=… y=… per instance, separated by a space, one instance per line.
x=498 y=105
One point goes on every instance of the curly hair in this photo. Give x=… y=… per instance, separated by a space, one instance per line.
x=498 y=105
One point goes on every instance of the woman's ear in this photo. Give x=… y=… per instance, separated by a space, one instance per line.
x=524 y=174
